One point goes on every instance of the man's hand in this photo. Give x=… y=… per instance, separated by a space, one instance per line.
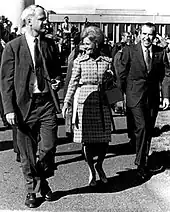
x=55 y=84
x=120 y=107
x=11 y=118
x=165 y=103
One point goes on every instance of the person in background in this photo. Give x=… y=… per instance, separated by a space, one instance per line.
x=93 y=122
x=136 y=36
x=66 y=34
x=160 y=41
x=14 y=33
x=143 y=66
x=126 y=39
x=123 y=109
x=65 y=26
x=168 y=47
x=76 y=52
x=30 y=78
x=5 y=123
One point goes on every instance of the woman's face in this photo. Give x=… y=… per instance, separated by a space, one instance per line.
x=89 y=46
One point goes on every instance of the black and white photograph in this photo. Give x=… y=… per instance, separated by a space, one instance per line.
x=84 y=106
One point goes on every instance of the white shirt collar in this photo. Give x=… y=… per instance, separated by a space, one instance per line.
x=30 y=38
x=144 y=48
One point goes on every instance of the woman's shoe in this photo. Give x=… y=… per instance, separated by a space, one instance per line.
x=101 y=174
x=92 y=182
x=92 y=179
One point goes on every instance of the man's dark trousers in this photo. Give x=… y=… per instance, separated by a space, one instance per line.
x=38 y=131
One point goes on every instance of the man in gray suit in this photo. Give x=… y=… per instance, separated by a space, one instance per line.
x=143 y=67
x=30 y=79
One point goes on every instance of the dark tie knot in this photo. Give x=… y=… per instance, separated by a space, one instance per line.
x=147 y=50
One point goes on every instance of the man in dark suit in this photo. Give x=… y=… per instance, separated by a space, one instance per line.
x=29 y=63
x=143 y=67
x=126 y=39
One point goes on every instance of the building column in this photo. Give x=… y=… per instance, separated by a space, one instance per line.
x=117 y=33
x=20 y=6
x=113 y=33
x=105 y=29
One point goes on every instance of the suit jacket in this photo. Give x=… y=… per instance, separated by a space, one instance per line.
x=137 y=82
x=16 y=69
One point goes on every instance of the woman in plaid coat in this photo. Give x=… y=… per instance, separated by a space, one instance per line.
x=93 y=122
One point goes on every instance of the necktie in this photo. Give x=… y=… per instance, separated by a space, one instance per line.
x=148 y=59
x=38 y=66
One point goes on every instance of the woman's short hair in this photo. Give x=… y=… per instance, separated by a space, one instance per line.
x=94 y=33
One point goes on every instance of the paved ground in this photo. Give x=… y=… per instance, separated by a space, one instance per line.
x=70 y=183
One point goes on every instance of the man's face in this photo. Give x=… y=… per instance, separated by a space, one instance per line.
x=38 y=20
x=147 y=36
x=66 y=20
x=126 y=38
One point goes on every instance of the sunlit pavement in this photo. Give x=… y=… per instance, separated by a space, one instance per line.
x=70 y=183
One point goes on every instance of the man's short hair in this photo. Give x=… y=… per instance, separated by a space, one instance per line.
x=150 y=25
x=66 y=17
x=29 y=11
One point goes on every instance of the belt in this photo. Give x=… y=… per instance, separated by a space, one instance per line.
x=41 y=97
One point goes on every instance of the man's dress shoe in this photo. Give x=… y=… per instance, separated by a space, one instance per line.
x=31 y=200
x=48 y=196
x=18 y=158
x=143 y=174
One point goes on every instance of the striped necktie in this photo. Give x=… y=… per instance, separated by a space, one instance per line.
x=148 y=59
x=38 y=66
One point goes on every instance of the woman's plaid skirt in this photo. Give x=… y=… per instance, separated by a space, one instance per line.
x=92 y=124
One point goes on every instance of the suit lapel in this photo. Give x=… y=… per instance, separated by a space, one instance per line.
x=26 y=52
x=44 y=52
x=140 y=56
x=155 y=53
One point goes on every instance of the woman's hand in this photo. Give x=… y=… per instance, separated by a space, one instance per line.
x=165 y=103
x=120 y=107
x=64 y=110
x=11 y=118
x=55 y=84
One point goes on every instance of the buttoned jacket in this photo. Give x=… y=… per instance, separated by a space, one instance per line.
x=140 y=84
x=87 y=73
x=16 y=70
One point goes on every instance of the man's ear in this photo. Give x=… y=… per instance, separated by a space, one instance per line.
x=97 y=45
x=29 y=21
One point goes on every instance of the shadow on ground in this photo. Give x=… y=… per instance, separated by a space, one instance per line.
x=156 y=159
x=6 y=145
x=160 y=159
x=122 y=181
x=78 y=155
x=159 y=131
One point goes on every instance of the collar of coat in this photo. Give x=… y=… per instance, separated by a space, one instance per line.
x=100 y=58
